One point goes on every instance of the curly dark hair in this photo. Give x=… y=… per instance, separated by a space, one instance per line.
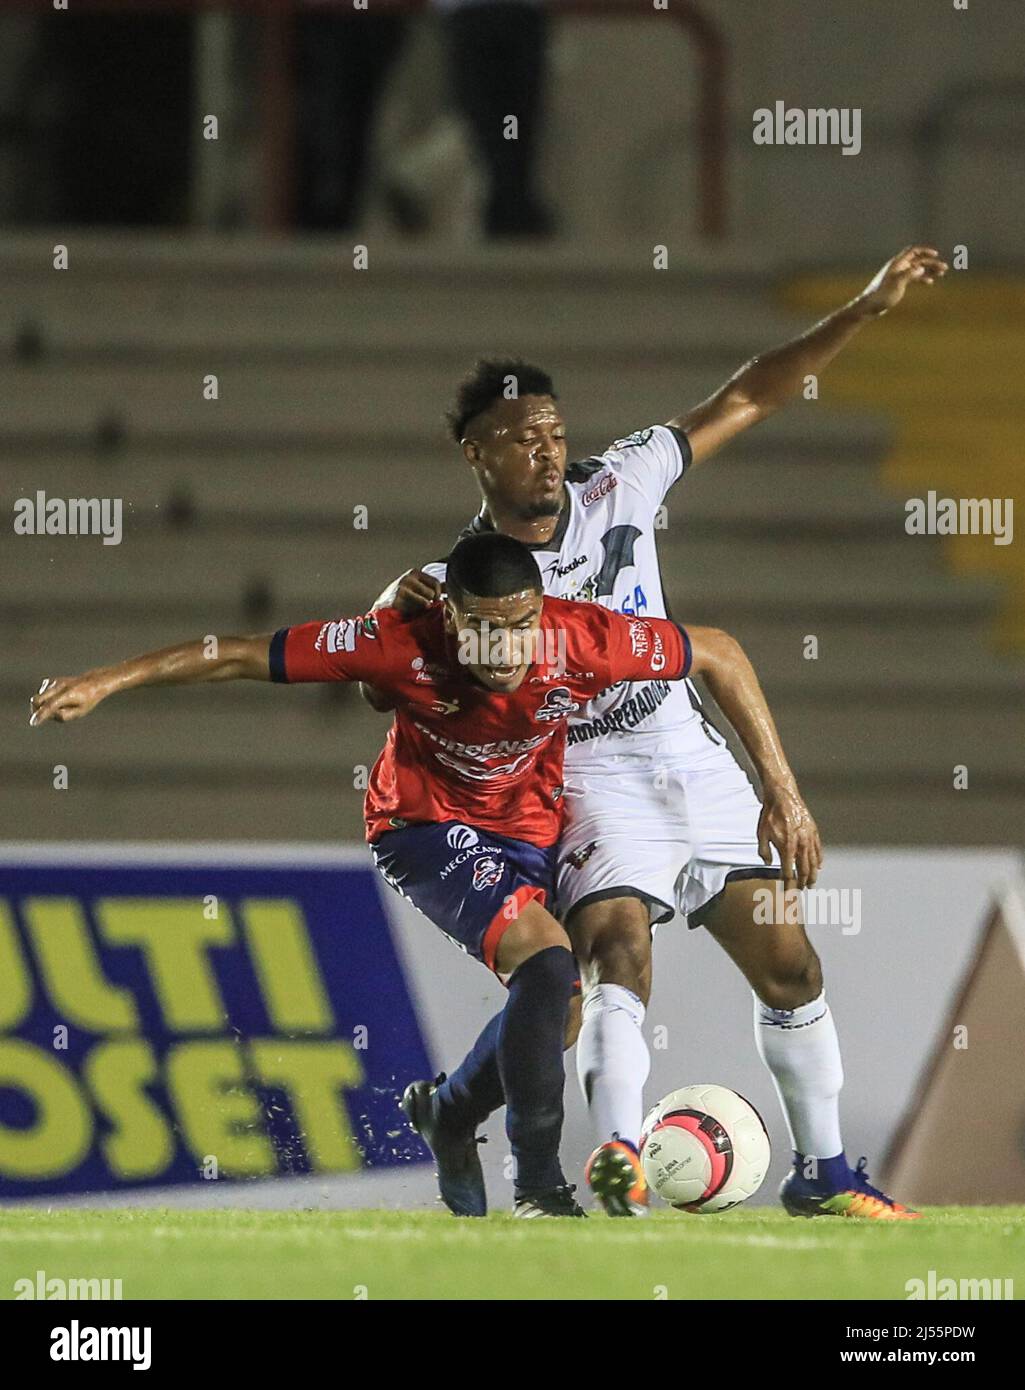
x=487 y=382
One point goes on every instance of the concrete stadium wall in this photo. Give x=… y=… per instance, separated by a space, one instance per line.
x=634 y=172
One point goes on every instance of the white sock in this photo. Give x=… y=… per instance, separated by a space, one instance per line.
x=802 y=1051
x=613 y=1061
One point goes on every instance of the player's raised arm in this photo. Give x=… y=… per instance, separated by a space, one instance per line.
x=63 y=698
x=773 y=378
x=785 y=820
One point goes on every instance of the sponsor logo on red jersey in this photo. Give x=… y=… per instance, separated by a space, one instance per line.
x=562 y=676
x=339 y=637
x=643 y=639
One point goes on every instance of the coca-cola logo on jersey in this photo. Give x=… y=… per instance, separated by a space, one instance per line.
x=600 y=488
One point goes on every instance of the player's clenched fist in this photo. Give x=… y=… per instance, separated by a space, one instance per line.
x=411 y=593
x=66 y=697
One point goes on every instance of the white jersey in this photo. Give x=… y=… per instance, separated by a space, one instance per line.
x=603 y=550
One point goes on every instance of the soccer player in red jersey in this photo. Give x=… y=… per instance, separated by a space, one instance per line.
x=661 y=818
x=464 y=806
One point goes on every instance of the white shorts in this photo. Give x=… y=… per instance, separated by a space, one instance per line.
x=663 y=831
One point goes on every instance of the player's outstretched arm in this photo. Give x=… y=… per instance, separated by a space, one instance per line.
x=785 y=821
x=773 y=378
x=63 y=698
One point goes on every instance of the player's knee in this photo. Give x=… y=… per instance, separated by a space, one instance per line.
x=552 y=969
x=612 y=942
x=626 y=961
x=787 y=984
x=531 y=931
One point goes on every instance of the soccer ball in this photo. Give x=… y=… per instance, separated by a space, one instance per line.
x=704 y=1148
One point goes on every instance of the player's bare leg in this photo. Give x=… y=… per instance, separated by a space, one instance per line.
x=796 y=1037
x=777 y=959
x=612 y=941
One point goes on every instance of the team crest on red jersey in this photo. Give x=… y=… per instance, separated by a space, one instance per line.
x=559 y=704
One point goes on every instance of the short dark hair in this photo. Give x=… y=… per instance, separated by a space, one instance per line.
x=487 y=382
x=491 y=566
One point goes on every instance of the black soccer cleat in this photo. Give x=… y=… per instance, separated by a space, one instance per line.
x=557 y=1201
x=460 y=1176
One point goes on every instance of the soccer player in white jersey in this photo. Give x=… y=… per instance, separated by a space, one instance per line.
x=660 y=817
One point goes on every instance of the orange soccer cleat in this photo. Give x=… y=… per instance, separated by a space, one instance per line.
x=615 y=1176
x=855 y=1198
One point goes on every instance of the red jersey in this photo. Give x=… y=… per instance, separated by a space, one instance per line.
x=457 y=750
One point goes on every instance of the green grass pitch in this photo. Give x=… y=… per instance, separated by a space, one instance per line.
x=753 y=1254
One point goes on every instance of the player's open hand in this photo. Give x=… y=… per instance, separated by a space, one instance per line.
x=62 y=698
x=915 y=264
x=411 y=593
x=787 y=824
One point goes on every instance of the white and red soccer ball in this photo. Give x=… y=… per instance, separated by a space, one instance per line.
x=704 y=1149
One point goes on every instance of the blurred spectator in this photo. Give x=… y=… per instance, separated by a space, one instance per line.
x=497 y=58
x=343 y=57
x=498 y=55
x=115 y=126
